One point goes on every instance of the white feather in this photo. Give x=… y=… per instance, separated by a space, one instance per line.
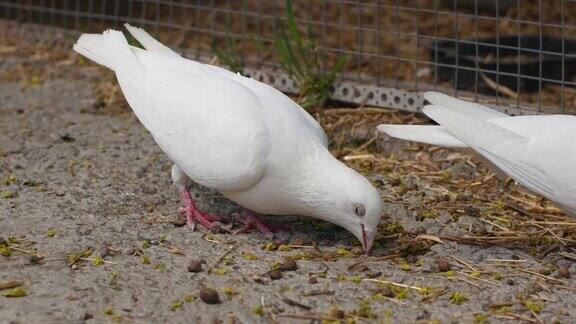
x=109 y=49
x=429 y=134
x=148 y=42
x=461 y=106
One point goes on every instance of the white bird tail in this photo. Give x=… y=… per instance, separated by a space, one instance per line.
x=148 y=41
x=109 y=49
x=439 y=135
x=469 y=109
x=429 y=134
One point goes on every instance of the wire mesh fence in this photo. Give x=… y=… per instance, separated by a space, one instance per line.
x=512 y=54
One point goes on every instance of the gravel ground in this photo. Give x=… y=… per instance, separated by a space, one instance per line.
x=79 y=173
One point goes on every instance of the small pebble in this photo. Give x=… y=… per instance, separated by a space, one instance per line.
x=338 y=313
x=178 y=220
x=536 y=288
x=411 y=259
x=386 y=168
x=564 y=273
x=462 y=196
x=373 y=275
x=330 y=255
x=209 y=296
x=313 y=280
x=386 y=291
x=99 y=103
x=298 y=241
x=216 y=320
x=394 y=181
x=275 y=274
x=545 y=271
x=217 y=229
x=288 y=265
x=480 y=231
x=510 y=282
x=34 y=259
x=443 y=265
x=104 y=251
x=472 y=211
x=443 y=197
x=401 y=191
x=357 y=250
x=67 y=138
x=195 y=266
x=360 y=268
x=420 y=230
x=411 y=186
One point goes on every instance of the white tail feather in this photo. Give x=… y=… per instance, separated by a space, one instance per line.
x=109 y=49
x=463 y=107
x=148 y=41
x=429 y=134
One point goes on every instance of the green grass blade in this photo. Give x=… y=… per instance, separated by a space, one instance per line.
x=295 y=34
x=286 y=53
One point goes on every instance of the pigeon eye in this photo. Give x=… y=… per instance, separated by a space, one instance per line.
x=359 y=210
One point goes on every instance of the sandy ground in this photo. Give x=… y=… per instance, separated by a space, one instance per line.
x=79 y=174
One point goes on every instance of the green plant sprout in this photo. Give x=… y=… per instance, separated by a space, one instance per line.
x=300 y=57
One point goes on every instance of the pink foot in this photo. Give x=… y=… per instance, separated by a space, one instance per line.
x=251 y=221
x=194 y=215
x=208 y=217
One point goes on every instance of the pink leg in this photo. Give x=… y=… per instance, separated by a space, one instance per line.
x=251 y=221
x=193 y=214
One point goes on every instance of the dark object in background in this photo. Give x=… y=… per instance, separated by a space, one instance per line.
x=503 y=57
x=484 y=6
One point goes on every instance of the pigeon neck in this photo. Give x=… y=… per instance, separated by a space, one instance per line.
x=322 y=187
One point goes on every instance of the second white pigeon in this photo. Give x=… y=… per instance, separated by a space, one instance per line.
x=538 y=152
x=236 y=135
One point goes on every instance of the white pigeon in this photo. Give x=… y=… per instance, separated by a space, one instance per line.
x=236 y=135
x=538 y=152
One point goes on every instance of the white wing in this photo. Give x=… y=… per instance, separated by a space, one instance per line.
x=209 y=126
x=269 y=96
x=505 y=149
x=529 y=126
x=555 y=152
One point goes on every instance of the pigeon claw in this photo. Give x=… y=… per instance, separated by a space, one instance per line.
x=251 y=221
x=194 y=215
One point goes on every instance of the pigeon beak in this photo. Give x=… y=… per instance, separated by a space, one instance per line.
x=367 y=240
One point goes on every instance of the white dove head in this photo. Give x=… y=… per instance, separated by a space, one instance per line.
x=345 y=198
x=360 y=210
